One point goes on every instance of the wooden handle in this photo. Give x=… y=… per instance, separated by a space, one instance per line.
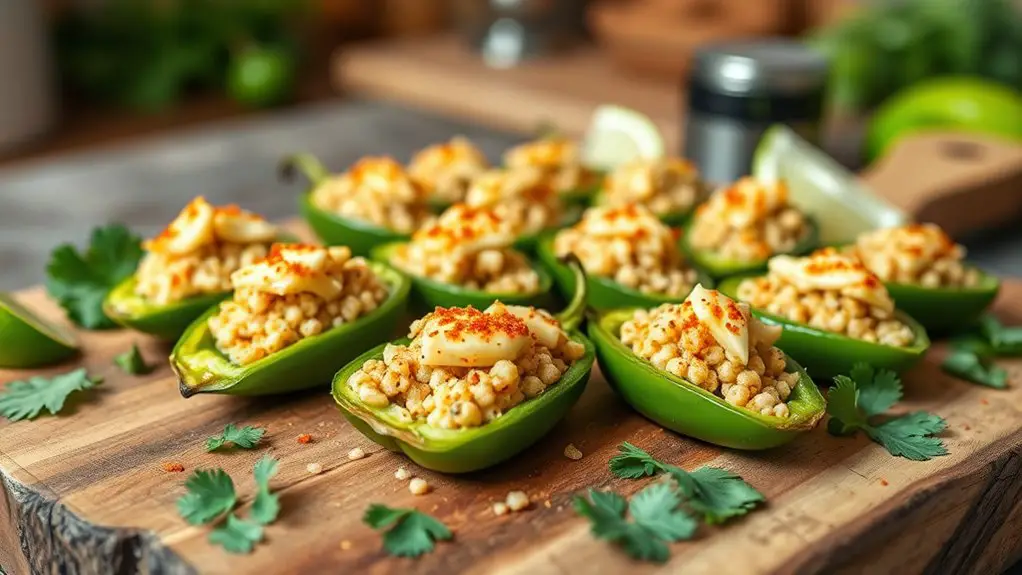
x=960 y=182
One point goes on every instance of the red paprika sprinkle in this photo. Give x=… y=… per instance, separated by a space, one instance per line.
x=304 y=438
x=173 y=467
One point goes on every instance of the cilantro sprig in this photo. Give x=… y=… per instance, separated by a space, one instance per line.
x=28 y=398
x=406 y=532
x=211 y=497
x=244 y=437
x=656 y=519
x=857 y=398
x=972 y=354
x=80 y=281
x=715 y=493
x=132 y=362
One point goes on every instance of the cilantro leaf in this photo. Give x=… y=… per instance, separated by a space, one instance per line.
x=81 y=281
x=717 y=493
x=132 y=362
x=237 y=535
x=266 y=505
x=633 y=463
x=879 y=390
x=246 y=437
x=26 y=399
x=656 y=509
x=1004 y=340
x=909 y=436
x=409 y=532
x=210 y=495
x=968 y=365
x=655 y=519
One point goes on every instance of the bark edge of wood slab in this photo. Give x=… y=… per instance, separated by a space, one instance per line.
x=961 y=182
x=53 y=539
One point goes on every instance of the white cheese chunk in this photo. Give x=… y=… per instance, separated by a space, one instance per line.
x=725 y=320
x=545 y=329
x=468 y=338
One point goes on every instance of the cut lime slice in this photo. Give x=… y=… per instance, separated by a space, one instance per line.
x=821 y=187
x=619 y=135
x=27 y=340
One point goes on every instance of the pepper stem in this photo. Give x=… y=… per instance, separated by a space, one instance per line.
x=303 y=164
x=571 y=316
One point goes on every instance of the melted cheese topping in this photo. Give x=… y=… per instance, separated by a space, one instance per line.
x=467 y=337
x=467 y=229
x=291 y=269
x=624 y=221
x=200 y=224
x=385 y=177
x=828 y=269
x=457 y=151
x=548 y=153
x=747 y=201
x=726 y=320
x=543 y=327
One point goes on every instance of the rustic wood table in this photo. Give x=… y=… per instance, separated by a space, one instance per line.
x=86 y=492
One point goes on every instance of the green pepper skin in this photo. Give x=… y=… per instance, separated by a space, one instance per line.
x=603 y=293
x=944 y=310
x=333 y=229
x=166 y=322
x=428 y=294
x=826 y=354
x=686 y=408
x=201 y=368
x=719 y=267
x=465 y=450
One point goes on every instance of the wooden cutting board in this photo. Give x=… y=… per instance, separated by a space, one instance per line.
x=86 y=492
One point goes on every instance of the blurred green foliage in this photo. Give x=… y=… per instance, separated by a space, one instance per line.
x=896 y=43
x=144 y=54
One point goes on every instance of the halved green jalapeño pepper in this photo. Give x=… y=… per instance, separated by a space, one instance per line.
x=164 y=321
x=604 y=293
x=333 y=229
x=471 y=449
x=686 y=408
x=826 y=354
x=202 y=368
x=428 y=293
x=720 y=267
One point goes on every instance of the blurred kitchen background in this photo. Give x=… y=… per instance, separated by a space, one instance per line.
x=124 y=109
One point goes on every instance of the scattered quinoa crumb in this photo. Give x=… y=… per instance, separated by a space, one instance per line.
x=517 y=500
x=345 y=545
x=356 y=453
x=966 y=427
x=499 y=508
x=572 y=452
x=173 y=467
x=418 y=486
x=884 y=482
x=304 y=438
x=314 y=468
x=547 y=504
x=321 y=424
x=402 y=474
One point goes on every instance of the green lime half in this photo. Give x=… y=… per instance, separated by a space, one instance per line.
x=618 y=135
x=27 y=340
x=842 y=206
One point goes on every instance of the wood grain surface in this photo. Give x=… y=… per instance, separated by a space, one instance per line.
x=86 y=492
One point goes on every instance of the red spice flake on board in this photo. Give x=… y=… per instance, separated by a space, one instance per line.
x=966 y=426
x=984 y=401
x=304 y=438
x=173 y=467
x=884 y=482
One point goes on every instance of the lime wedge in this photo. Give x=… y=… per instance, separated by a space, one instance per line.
x=842 y=205
x=27 y=340
x=618 y=135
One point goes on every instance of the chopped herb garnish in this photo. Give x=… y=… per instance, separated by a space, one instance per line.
x=244 y=437
x=81 y=281
x=971 y=366
x=852 y=401
x=237 y=535
x=1003 y=339
x=210 y=495
x=132 y=362
x=407 y=532
x=28 y=398
x=266 y=505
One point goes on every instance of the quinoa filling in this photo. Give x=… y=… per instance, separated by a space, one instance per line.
x=830 y=291
x=743 y=368
x=748 y=221
x=465 y=367
x=197 y=253
x=665 y=186
x=446 y=170
x=558 y=160
x=471 y=248
x=376 y=191
x=297 y=291
x=522 y=197
x=920 y=254
x=631 y=246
